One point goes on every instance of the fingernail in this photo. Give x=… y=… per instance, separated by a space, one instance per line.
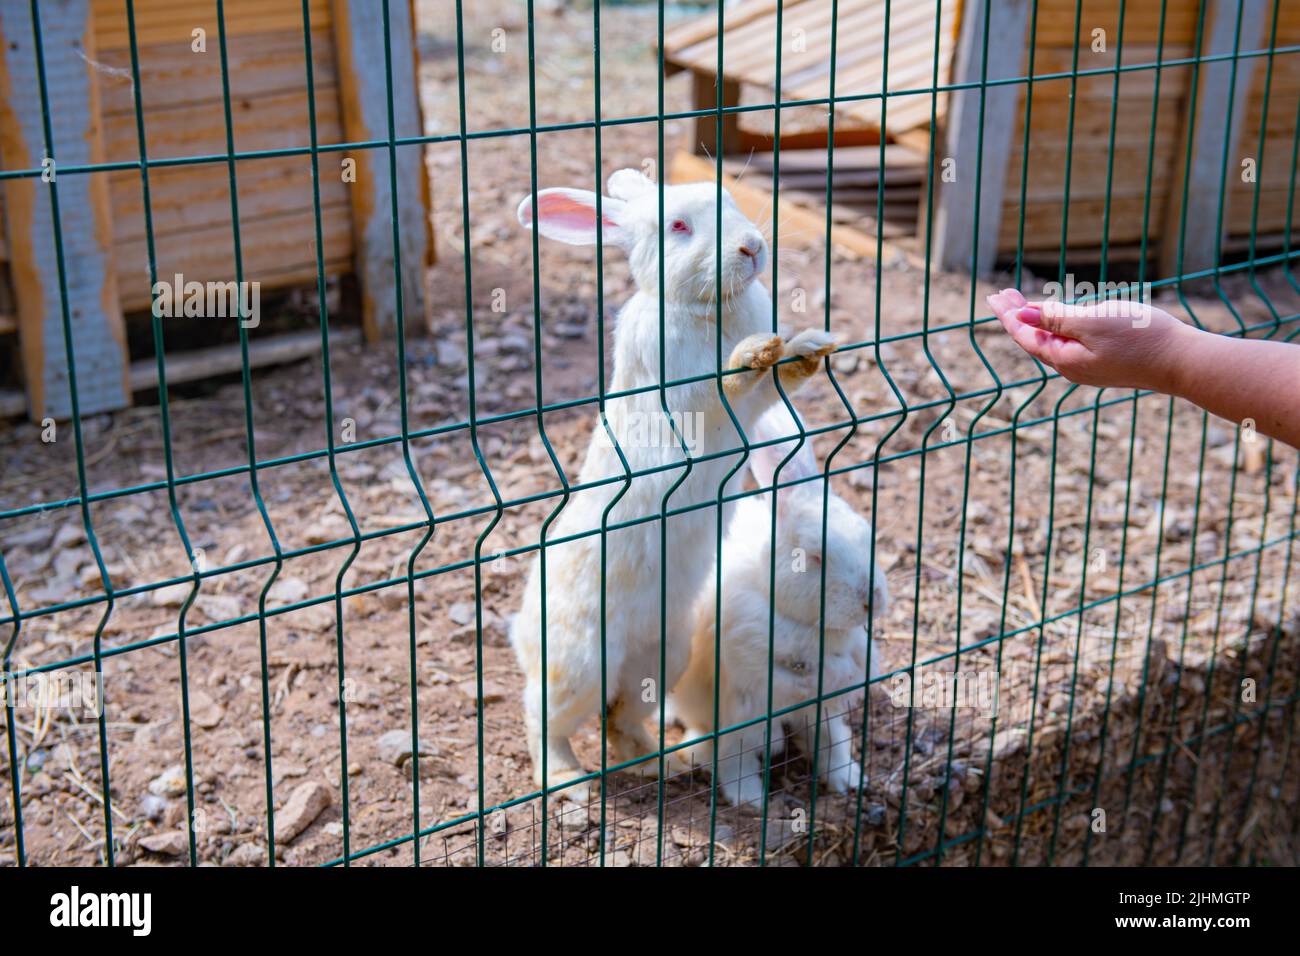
x=1030 y=315
x=1009 y=291
x=997 y=302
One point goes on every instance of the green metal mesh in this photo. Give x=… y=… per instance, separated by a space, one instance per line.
x=1228 y=771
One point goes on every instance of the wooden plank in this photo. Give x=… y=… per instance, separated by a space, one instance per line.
x=972 y=125
x=705 y=140
x=95 y=316
x=278 y=250
x=749 y=52
x=359 y=42
x=274 y=121
x=1191 y=228
x=185 y=198
x=173 y=21
x=172 y=75
x=1056 y=22
x=197 y=364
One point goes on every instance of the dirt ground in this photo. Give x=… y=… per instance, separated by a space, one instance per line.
x=1126 y=492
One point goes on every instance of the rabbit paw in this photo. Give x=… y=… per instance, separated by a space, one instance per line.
x=810 y=346
x=757 y=351
x=845 y=779
x=811 y=343
x=749 y=791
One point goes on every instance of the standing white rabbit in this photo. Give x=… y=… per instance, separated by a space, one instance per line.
x=854 y=590
x=632 y=627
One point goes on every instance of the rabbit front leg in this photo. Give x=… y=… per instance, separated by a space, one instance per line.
x=755 y=352
x=562 y=764
x=740 y=771
x=836 y=763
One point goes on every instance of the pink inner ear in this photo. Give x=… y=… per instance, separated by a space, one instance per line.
x=563 y=211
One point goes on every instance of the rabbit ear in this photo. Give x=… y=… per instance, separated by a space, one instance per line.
x=569 y=215
x=776 y=423
x=629 y=183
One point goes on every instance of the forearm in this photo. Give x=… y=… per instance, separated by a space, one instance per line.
x=1240 y=379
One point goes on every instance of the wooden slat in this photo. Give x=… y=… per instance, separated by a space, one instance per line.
x=172 y=21
x=1056 y=22
x=195 y=364
x=277 y=251
x=277 y=121
x=172 y=75
x=749 y=51
x=183 y=198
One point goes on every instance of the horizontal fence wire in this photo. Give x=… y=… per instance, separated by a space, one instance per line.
x=1040 y=819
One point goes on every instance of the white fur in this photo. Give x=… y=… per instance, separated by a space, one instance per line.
x=851 y=587
x=634 y=559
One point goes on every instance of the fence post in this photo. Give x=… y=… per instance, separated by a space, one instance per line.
x=954 y=217
x=94 y=308
x=363 y=93
x=1200 y=240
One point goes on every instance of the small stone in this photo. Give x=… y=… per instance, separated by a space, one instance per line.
x=247 y=854
x=205 y=711
x=69 y=535
x=153 y=807
x=450 y=355
x=170 y=843
x=462 y=612
x=173 y=596
x=395 y=747
x=492 y=691
x=169 y=783
x=304 y=806
x=845 y=363
x=288 y=590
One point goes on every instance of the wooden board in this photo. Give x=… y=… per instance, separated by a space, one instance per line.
x=750 y=43
x=173 y=21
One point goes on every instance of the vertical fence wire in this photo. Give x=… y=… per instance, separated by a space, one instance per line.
x=250 y=430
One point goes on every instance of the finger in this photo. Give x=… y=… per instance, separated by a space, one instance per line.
x=1014 y=296
x=1023 y=335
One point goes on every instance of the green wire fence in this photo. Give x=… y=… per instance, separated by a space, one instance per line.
x=944 y=806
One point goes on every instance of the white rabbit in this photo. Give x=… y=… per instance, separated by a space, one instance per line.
x=854 y=590
x=632 y=627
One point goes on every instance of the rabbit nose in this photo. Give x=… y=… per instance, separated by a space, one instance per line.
x=751 y=251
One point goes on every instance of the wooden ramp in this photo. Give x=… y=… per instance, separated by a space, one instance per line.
x=749 y=54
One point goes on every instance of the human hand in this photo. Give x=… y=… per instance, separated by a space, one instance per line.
x=1107 y=344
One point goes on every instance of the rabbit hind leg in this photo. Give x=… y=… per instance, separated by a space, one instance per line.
x=562 y=764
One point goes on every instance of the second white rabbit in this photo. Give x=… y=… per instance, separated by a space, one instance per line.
x=854 y=590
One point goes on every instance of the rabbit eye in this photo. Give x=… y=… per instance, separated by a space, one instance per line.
x=680 y=226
